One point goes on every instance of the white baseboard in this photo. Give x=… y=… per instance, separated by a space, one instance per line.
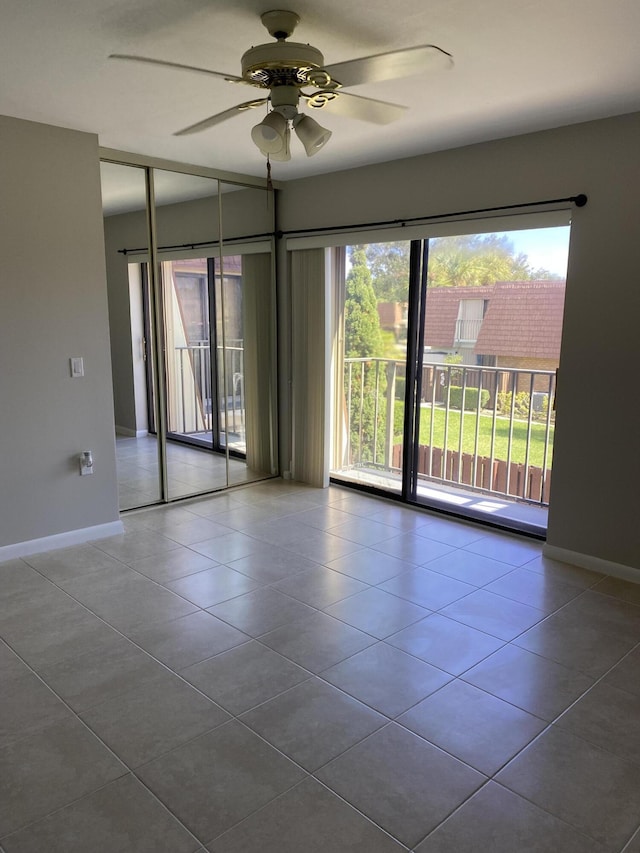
x=60 y=540
x=595 y=564
x=131 y=433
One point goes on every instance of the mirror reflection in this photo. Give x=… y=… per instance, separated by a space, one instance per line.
x=125 y=225
x=187 y=234
x=209 y=310
x=244 y=282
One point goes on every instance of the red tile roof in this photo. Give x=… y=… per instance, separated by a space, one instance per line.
x=523 y=318
x=442 y=312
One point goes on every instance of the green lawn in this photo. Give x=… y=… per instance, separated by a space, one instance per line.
x=518 y=447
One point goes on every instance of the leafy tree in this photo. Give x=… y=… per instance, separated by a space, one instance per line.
x=363 y=339
x=389 y=266
x=467 y=260
x=471 y=260
x=361 y=322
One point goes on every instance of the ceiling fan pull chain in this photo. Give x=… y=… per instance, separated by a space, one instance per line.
x=269 y=183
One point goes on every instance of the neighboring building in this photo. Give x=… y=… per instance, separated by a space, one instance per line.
x=453 y=320
x=393 y=318
x=190 y=279
x=508 y=324
x=522 y=325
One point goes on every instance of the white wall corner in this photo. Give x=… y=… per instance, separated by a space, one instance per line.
x=60 y=540
x=594 y=564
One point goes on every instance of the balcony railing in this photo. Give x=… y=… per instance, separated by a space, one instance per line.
x=193 y=410
x=467 y=331
x=486 y=428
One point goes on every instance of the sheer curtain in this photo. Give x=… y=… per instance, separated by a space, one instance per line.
x=310 y=369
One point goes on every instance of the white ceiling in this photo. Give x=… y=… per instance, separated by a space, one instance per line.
x=520 y=65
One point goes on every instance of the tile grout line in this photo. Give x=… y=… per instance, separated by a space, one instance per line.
x=129 y=770
x=236 y=718
x=319 y=676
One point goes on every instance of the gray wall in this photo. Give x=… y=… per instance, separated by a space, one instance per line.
x=594 y=500
x=52 y=306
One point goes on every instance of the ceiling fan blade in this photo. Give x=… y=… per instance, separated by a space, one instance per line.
x=390 y=66
x=354 y=106
x=220 y=117
x=231 y=78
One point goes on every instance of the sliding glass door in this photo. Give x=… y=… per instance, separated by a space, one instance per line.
x=371 y=364
x=447 y=373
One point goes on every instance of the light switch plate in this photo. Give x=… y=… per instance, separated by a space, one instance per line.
x=77 y=367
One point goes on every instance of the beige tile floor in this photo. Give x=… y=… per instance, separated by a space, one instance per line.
x=190 y=471
x=280 y=669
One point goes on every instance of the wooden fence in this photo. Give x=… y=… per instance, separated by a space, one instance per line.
x=494 y=476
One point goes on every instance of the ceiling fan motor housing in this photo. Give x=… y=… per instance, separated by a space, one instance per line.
x=280 y=23
x=284 y=99
x=280 y=63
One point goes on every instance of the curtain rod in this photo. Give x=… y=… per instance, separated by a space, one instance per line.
x=199 y=245
x=579 y=201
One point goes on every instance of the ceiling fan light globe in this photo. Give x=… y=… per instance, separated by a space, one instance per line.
x=312 y=135
x=269 y=134
x=284 y=154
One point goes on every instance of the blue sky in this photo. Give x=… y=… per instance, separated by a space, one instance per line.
x=545 y=247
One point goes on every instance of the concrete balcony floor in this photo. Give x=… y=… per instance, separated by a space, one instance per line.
x=498 y=509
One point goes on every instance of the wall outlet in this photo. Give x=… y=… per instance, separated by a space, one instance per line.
x=86 y=463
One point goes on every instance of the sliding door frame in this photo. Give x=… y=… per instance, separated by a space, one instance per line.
x=416 y=322
x=157 y=338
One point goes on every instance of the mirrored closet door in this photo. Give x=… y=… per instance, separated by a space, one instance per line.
x=192 y=308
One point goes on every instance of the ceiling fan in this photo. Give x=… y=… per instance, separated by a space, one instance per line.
x=287 y=69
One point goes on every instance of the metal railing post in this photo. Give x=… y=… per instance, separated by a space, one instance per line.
x=392 y=367
x=505 y=433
